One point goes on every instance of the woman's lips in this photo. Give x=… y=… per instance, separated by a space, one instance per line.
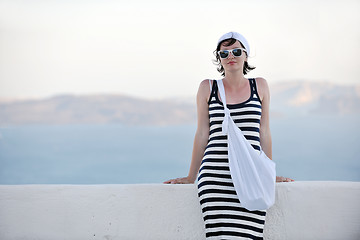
x=231 y=62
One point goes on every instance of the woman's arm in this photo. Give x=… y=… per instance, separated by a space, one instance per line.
x=201 y=135
x=265 y=134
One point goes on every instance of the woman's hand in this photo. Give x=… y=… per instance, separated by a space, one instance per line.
x=283 y=179
x=184 y=180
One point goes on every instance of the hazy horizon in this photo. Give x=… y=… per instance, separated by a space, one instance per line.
x=189 y=97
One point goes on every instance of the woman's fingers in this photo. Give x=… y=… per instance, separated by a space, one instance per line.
x=183 y=180
x=173 y=181
x=288 y=180
x=168 y=181
x=284 y=179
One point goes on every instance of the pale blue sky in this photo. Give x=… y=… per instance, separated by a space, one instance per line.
x=158 y=49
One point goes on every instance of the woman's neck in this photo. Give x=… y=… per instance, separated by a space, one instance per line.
x=235 y=80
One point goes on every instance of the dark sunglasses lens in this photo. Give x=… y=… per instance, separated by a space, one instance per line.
x=224 y=54
x=237 y=52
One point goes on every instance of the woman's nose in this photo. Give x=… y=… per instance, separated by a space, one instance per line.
x=231 y=55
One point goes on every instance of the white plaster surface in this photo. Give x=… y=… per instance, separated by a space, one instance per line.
x=303 y=210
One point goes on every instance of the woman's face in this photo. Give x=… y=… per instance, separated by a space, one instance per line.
x=232 y=64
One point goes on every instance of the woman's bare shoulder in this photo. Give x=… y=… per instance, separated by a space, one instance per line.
x=205 y=83
x=261 y=82
x=262 y=87
x=204 y=89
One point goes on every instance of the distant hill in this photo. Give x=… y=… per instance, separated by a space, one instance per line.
x=68 y=109
x=287 y=98
x=305 y=97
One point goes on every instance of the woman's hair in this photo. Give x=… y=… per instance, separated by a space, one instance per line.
x=220 y=68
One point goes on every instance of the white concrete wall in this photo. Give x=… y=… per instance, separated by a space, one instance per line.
x=303 y=210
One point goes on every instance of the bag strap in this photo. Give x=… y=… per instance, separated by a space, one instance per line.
x=222 y=91
x=227 y=117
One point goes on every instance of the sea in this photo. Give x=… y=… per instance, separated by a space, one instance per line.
x=316 y=148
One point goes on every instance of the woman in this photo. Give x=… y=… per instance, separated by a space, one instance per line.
x=248 y=101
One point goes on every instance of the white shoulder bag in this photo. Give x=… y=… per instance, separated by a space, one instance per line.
x=253 y=174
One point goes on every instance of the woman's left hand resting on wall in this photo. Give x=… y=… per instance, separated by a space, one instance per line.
x=284 y=179
x=184 y=180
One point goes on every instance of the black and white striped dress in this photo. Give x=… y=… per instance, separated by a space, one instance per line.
x=223 y=214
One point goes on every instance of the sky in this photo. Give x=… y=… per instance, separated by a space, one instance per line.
x=164 y=49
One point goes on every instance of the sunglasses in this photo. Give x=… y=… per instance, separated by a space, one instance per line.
x=235 y=52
